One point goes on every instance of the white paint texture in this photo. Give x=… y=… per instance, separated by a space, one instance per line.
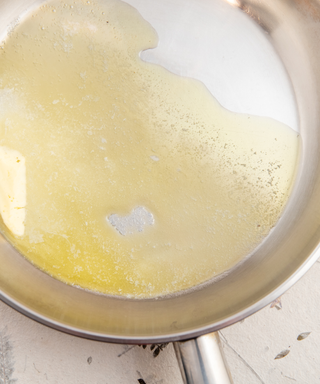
x=41 y=355
x=260 y=338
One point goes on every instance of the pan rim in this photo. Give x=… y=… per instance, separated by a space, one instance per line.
x=177 y=336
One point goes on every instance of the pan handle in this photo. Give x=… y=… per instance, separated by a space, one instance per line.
x=201 y=360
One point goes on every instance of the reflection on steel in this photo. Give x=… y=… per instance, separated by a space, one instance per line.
x=201 y=360
x=236 y=3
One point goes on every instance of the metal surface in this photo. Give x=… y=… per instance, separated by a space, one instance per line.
x=202 y=361
x=293 y=29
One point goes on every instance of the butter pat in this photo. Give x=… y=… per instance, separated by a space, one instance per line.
x=13 y=189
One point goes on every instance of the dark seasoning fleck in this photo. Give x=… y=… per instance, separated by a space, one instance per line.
x=282 y=354
x=156 y=348
x=286 y=352
x=303 y=336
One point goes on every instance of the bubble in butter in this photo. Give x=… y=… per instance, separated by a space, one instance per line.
x=104 y=133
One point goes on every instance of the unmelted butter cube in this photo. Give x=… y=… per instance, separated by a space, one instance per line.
x=12 y=189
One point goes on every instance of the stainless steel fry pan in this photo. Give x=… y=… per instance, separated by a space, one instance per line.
x=293 y=29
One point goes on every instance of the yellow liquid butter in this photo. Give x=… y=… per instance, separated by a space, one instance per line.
x=104 y=133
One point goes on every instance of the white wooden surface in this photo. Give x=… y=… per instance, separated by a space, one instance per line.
x=31 y=353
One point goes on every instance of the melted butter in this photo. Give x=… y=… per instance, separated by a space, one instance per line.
x=12 y=190
x=103 y=133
